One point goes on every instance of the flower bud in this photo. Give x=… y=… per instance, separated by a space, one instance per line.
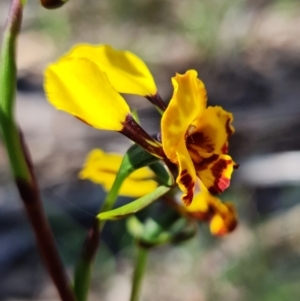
x=51 y=4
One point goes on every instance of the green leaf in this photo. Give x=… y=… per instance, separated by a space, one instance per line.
x=162 y=173
x=134 y=206
x=135 y=158
x=135 y=227
x=154 y=233
x=180 y=231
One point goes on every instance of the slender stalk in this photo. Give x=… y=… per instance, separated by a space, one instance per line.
x=139 y=272
x=157 y=102
x=84 y=265
x=112 y=195
x=132 y=160
x=136 y=133
x=44 y=237
x=83 y=269
x=20 y=160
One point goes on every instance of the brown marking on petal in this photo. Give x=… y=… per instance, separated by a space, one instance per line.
x=206 y=162
x=196 y=158
x=203 y=216
x=221 y=182
x=228 y=128
x=230 y=220
x=199 y=139
x=221 y=232
x=232 y=225
x=231 y=217
x=82 y=120
x=224 y=149
x=191 y=129
x=227 y=229
x=187 y=181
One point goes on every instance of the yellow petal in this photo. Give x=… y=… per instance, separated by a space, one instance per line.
x=98 y=160
x=212 y=131
x=101 y=168
x=224 y=221
x=141 y=174
x=215 y=171
x=187 y=104
x=186 y=176
x=135 y=189
x=221 y=216
x=200 y=203
x=126 y=71
x=80 y=88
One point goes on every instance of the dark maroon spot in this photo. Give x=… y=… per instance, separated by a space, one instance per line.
x=206 y=162
x=229 y=218
x=188 y=197
x=232 y=225
x=229 y=131
x=196 y=158
x=221 y=182
x=199 y=139
x=224 y=148
x=186 y=179
x=204 y=216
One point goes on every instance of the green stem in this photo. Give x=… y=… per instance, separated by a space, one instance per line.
x=84 y=266
x=9 y=130
x=139 y=272
x=20 y=160
x=83 y=269
x=111 y=197
x=134 y=158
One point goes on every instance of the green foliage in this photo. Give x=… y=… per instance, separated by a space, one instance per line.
x=134 y=206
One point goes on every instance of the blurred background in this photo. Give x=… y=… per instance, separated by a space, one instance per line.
x=247 y=52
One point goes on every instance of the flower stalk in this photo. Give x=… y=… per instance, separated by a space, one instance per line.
x=20 y=160
x=135 y=158
x=136 y=133
x=84 y=265
x=139 y=272
x=157 y=101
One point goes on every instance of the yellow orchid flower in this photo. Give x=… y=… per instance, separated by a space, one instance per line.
x=222 y=217
x=125 y=71
x=101 y=168
x=196 y=138
x=87 y=81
